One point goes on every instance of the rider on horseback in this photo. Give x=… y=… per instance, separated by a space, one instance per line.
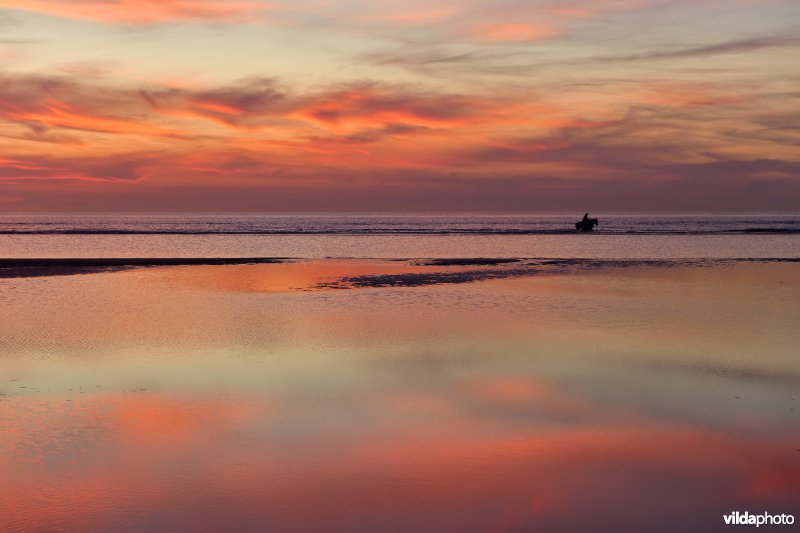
x=586 y=224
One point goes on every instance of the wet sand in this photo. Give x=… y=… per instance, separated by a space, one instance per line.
x=26 y=268
x=603 y=397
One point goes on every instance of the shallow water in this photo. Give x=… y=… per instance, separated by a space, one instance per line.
x=207 y=398
x=619 y=236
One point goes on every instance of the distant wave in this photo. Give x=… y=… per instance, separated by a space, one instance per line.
x=398 y=231
x=388 y=225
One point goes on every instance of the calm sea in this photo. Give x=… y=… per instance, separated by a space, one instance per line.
x=619 y=235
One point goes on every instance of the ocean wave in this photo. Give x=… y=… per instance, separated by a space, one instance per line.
x=400 y=231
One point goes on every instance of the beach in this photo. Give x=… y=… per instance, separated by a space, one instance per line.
x=364 y=394
x=405 y=266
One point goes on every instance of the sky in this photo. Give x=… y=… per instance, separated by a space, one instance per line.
x=412 y=105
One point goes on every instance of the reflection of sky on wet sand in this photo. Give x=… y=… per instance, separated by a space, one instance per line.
x=649 y=399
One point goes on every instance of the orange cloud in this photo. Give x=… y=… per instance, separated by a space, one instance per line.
x=126 y=166
x=512 y=32
x=517 y=147
x=363 y=107
x=246 y=105
x=422 y=16
x=63 y=115
x=367 y=106
x=143 y=11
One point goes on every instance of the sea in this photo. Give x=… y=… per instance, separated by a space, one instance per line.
x=405 y=235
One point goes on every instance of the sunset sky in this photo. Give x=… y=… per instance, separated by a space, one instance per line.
x=305 y=105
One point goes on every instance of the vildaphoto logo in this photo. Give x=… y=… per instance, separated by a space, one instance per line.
x=763 y=519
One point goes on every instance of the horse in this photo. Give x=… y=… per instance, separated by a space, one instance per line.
x=586 y=225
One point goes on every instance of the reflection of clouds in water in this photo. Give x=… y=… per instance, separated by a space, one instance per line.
x=368 y=463
x=725 y=371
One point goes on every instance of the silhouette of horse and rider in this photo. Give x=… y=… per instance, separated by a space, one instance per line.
x=586 y=224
